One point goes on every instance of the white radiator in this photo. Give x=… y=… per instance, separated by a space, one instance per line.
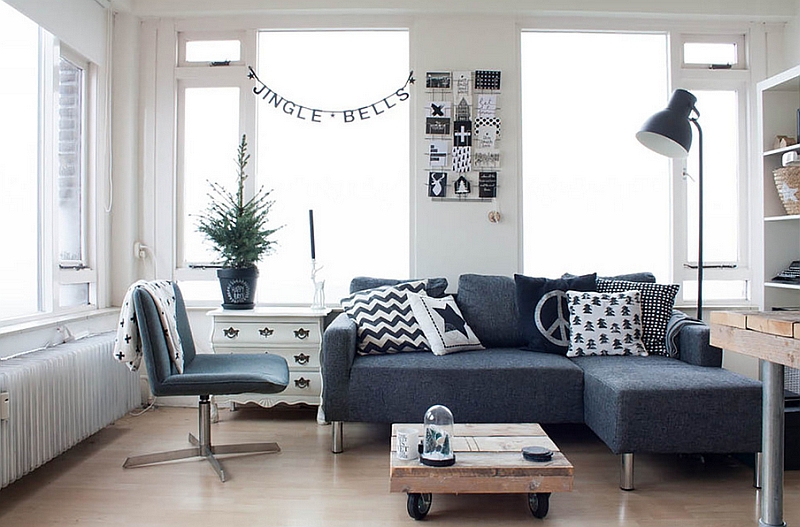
x=58 y=397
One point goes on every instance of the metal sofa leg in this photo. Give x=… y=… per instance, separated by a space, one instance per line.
x=336 y=437
x=758 y=470
x=626 y=471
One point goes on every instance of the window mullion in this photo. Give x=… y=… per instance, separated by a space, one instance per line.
x=48 y=228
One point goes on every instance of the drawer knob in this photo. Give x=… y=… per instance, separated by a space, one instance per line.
x=302 y=358
x=231 y=332
x=302 y=383
x=266 y=332
x=302 y=333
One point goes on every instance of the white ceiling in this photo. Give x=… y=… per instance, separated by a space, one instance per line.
x=767 y=10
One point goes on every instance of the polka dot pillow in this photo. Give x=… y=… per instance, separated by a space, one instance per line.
x=657 y=302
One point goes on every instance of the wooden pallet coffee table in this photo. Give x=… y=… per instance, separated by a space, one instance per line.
x=488 y=460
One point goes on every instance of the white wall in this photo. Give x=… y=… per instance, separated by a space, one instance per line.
x=792 y=40
x=452 y=238
x=125 y=151
x=79 y=23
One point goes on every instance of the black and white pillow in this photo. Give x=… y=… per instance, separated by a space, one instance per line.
x=384 y=319
x=443 y=324
x=605 y=323
x=543 y=312
x=657 y=303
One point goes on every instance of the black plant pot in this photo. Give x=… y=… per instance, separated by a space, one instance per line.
x=238 y=287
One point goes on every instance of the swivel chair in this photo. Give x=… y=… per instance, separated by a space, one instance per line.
x=203 y=375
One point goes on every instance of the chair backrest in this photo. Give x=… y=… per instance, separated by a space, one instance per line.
x=154 y=343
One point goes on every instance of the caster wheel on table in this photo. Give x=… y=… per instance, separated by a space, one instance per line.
x=418 y=505
x=539 y=503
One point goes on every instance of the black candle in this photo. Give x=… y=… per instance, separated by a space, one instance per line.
x=311 y=227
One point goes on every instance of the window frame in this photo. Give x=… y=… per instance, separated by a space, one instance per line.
x=737 y=39
x=701 y=79
x=52 y=272
x=83 y=271
x=162 y=195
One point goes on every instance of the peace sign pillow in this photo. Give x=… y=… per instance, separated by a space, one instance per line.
x=543 y=310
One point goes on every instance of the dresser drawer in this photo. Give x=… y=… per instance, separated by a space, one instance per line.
x=296 y=358
x=304 y=383
x=266 y=333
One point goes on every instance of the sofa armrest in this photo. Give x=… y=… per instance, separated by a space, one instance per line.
x=338 y=352
x=693 y=343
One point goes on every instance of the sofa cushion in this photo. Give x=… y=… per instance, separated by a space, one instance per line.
x=443 y=325
x=500 y=385
x=543 y=310
x=657 y=303
x=660 y=404
x=384 y=318
x=436 y=286
x=605 y=323
x=489 y=305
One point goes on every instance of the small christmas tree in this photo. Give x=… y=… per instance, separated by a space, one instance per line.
x=237 y=229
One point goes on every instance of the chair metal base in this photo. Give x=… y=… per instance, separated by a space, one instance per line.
x=202 y=447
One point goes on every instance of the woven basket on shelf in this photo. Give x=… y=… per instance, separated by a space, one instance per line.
x=787 y=179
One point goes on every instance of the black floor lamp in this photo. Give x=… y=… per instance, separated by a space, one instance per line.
x=668 y=133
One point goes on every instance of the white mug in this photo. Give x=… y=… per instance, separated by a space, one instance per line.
x=407 y=441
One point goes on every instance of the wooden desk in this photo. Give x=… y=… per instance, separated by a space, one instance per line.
x=773 y=337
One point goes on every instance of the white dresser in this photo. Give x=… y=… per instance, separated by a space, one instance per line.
x=293 y=333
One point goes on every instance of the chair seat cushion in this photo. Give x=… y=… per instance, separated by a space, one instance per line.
x=227 y=374
x=660 y=404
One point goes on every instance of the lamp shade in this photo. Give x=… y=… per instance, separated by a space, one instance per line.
x=668 y=132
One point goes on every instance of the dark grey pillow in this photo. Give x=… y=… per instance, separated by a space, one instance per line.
x=642 y=277
x=543 y=310
x=489 y=305
x=436 y=286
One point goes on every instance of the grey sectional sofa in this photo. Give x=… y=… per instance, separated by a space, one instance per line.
x=653 y=404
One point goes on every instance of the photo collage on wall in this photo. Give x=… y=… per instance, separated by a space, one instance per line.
x=462 y=129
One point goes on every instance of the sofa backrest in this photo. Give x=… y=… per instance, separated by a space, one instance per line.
x=436 y=286
x=489 y=305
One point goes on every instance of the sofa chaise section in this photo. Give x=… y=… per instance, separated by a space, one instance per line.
x=661 y=405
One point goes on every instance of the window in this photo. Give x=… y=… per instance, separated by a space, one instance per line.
x=584 y=97
x=713 y=51
x=43 y=172
x=726 y=273
x=357 y=181
x=617 y=210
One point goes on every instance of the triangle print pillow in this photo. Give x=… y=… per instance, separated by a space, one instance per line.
x=443 y=324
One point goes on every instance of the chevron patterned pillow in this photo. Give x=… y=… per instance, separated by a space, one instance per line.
x=384 y=319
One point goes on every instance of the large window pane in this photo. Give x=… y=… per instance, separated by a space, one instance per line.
x=355 y=176
x=19 y=164
x=211 y=136
x=719 y=120
x=594 y=198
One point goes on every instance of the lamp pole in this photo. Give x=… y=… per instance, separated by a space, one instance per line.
x=699 y=216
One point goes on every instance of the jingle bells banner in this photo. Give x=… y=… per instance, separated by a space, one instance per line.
x=316 y=115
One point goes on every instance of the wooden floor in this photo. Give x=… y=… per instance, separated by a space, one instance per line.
x=306 y=486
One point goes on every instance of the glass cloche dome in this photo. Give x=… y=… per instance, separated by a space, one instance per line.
x=437 y=447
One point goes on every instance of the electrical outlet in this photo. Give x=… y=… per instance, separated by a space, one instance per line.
x=5 y=411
